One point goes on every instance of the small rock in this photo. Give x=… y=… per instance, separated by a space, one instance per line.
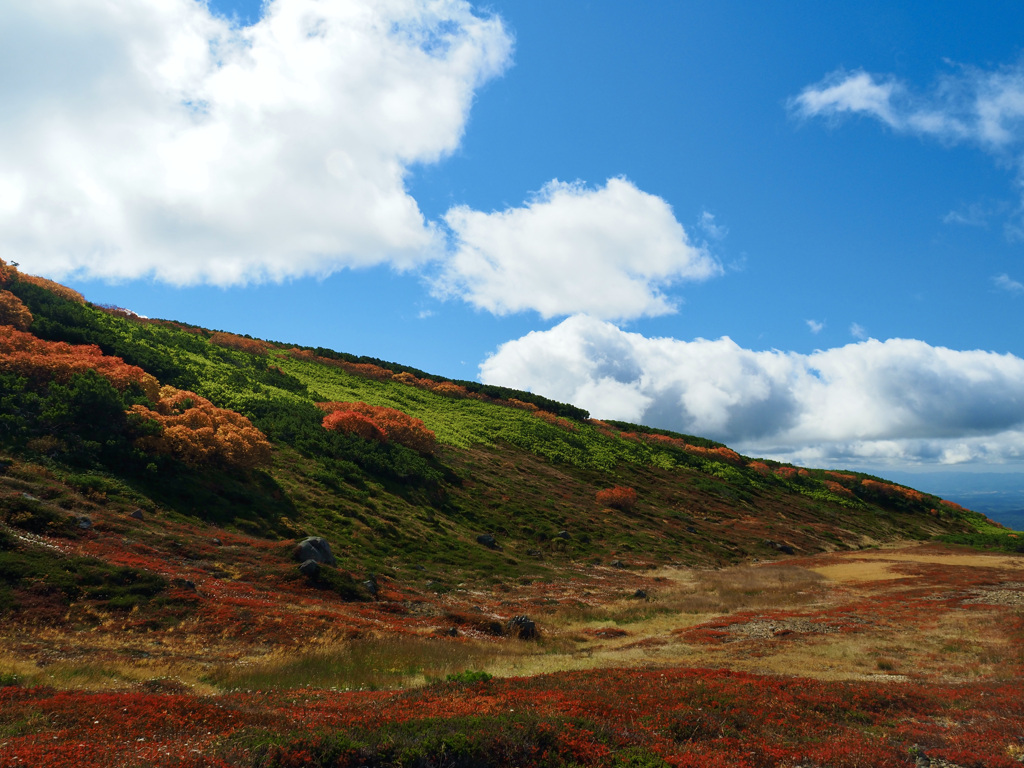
x=488 y=541
x=28 y=497
x=371 y=585
x=216 y=542
x=617 y=564
x=310 y=569
x=184 y=584
x=136 y=514
x=534 y=553
x=778 y=547
x=314 y=548
x=84 y=522
x=640 y=595
x=418 y=567
x=690 y=529
x=522 y=627
x=563 y=535
x=452 y=632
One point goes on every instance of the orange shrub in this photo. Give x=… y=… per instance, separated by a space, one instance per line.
x=447 y=388
x=56 y=288
x=195 y=431
x=556 y=421
x=396 y=426
x=890 y=491
x=760 y=467
x=838 y=490
x=620 y=497
x=7 y=272
x=241 y=343
x=14 y=312
x=354 y=423
x=842 y=477
x=45 y=361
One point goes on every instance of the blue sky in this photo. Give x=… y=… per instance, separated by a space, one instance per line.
x=796 y=227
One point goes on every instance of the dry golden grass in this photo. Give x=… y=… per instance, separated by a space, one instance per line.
x=598 y=628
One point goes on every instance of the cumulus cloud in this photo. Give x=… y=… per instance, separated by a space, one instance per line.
x=144 y=138
x=900 y=399
x=606 y=251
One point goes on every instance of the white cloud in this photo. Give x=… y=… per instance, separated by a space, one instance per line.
x=857 y=331
x=607 y=251
x=144 y=138
x=900 y=400
x=814 y=326
x=1006 y=283
x=709 y=228
x=857 y=93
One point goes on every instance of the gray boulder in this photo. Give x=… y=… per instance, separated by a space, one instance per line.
x=488 y=540
x=314 y=548
x=310 y=569
x=522 y=627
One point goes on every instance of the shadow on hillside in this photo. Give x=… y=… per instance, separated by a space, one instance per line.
x=252 y=503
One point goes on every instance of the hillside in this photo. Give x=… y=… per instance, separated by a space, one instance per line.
x=156 y=480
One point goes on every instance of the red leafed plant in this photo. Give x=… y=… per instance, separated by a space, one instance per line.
x=45 y=361
x=378 y=422
x=194 y=430
x=620 y=497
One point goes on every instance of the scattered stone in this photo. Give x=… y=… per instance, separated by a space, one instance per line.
x=488 y=541
x=28 y=497
x=310 y=569
x=534 y=553
x=690 y=529
x=314 y=548
x=84 y=522
x=522 y=627
x=617 y=564
x=136 y=514
x=184 y=584
x=779 y=547
x=640 y=595
x=452 y=632
x=418 y=567
x=217 y=542
x=563 y=535
x=371 y=585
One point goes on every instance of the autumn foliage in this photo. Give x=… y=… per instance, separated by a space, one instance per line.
x=45 y=361
x=717 y=453
x=377 y=422
x=55 y=288
x=241 y=343
x=195 y=431
x=13 y=312
x=620 y=497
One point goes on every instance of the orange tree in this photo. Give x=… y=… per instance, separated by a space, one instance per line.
x=379 y=422
x=193 y=430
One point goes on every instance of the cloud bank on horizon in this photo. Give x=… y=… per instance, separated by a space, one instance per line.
x=900 y=399
x=158 y=140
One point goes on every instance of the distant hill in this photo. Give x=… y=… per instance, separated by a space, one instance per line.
x=1000 y=495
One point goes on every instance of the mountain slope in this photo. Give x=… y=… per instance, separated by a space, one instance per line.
x=508 y=490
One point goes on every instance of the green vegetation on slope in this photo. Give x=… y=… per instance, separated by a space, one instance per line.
x=515 y=466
